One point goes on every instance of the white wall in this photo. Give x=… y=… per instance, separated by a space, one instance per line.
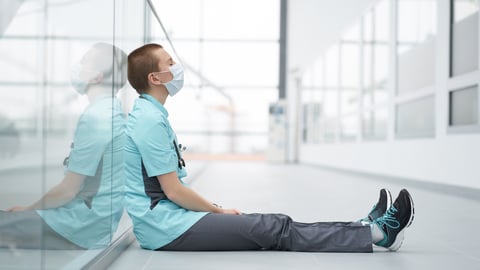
x=451 y=160
x=447 y=158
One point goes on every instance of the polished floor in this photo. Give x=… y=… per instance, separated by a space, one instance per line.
x=443 y=236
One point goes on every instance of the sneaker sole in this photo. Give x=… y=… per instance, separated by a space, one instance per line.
x=412 y=215
x=400 y=236
x=398 y=241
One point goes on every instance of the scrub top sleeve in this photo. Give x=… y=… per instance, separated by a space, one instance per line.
x=89 y=144
x=156 y=148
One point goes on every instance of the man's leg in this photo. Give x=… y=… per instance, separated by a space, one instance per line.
x=272 y=232
x=28 y=230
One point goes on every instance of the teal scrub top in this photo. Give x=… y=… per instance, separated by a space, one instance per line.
x=91 y=218
x=149 y=152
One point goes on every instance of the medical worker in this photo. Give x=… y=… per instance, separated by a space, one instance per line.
x=83 y=210
x=168 y=215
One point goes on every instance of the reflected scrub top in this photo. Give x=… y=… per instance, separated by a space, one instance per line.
x=149 y=152
x=91 y=218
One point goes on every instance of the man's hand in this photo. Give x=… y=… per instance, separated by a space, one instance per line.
x=231 y=211
x=17 y=208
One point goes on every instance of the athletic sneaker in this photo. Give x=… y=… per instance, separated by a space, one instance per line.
x=384 y=202
x=394 y=222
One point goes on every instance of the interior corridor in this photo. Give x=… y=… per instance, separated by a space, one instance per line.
x=443 y=235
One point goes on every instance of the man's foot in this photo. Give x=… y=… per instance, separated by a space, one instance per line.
x=394 y=222
x=384 y=203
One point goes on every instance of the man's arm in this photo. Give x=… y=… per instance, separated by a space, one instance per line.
x=188 y=198
x=59 y=195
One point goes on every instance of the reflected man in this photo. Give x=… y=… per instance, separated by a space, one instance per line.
x=83 y=210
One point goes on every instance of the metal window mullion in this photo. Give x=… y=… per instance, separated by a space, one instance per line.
x=393 y=71
x=361 y=89
x=339 y=96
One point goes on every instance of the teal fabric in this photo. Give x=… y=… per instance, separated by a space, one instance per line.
x=92 y=217
x=150 y=139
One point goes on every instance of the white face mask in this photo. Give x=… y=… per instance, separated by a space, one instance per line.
x=176 y=83
x=81 y=82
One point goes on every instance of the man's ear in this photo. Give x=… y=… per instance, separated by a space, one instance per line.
x=97 y=79
x=152 y=79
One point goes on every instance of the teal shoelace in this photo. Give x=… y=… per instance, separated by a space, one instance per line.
x=388 y=220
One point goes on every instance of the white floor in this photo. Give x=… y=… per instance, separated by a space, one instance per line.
x=443 y=236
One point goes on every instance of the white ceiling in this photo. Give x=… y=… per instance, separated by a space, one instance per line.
x=315 y=24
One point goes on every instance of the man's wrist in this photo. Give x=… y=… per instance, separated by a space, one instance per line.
x=217 y=208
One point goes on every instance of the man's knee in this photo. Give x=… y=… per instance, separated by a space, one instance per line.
x=271 y=230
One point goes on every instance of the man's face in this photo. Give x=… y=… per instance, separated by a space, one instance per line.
x=164 y=63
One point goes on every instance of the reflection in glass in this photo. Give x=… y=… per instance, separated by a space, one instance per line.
x=82 y=211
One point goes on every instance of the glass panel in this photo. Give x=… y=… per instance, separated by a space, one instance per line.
x=58 y=77
x=22 y=144
x=175 y=25
x=349 y=127
x=237 y=122
x=376 y=54
x=417 y=24
x=223 y=52
x=307 y=90
x=259 y=19
x=464 y=42
x=312 y=102
x=416 y=118
x=464 y=106
x=328 y=122
x=374 y=124
x=252 y=64
x=318 y=73
x=217 y=19
x=350 y=70
x=332 y=72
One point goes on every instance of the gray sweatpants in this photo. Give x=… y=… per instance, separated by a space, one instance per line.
x=27 y=230
x=222 y=232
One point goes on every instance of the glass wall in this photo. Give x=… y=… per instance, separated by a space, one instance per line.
x=232 y=71
x=464 y=55
x=376 y=34
x=63 y=96
x=463 y=98
x=350 y=51
x=352 y=90
x=416 y=34
x=404 y=104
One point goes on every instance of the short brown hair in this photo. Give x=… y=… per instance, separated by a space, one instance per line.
x=141 y=62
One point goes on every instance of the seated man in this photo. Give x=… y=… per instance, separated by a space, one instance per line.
x=167 y=215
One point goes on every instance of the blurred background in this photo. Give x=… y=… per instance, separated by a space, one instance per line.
x=387 y=87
